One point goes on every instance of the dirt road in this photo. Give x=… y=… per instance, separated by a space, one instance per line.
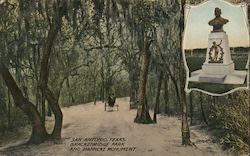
x=90 y=131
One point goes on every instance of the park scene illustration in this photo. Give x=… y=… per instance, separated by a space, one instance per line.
x=124 y=78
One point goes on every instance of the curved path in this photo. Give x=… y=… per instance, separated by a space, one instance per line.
x=89 y=124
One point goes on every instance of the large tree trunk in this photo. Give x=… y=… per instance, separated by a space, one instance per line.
x=157 y=99
x=184 y=122
x=53 y=103
x=48 y=94
x=142 y=107
x=55 y=26
x=185 y=127
x=39 y=133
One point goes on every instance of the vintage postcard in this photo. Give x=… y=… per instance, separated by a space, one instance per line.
x=124 y=78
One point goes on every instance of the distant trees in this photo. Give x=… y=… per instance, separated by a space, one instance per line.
x=39 y=133
x=56 y=53
x=47 y=44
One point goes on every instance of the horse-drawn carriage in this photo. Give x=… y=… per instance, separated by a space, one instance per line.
x=110 y=104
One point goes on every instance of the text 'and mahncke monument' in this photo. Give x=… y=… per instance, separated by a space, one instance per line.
x=219 y=66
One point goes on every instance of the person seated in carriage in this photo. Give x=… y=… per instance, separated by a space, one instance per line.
x=111 y=100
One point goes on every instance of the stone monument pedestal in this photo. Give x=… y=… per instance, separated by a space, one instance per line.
x=218 y=67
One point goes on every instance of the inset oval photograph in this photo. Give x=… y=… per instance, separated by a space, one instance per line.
x=216 y=47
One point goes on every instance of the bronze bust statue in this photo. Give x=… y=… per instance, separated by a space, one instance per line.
x=218 y=21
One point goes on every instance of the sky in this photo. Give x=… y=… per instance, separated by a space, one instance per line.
x=197 y=28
